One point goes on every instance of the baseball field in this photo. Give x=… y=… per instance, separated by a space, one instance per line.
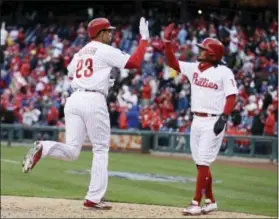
x=139 y=186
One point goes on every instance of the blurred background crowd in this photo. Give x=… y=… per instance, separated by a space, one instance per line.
x=37 y=46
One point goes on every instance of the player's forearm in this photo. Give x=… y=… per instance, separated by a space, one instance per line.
x=230 y=104
x=136 y=59
x=171 y=59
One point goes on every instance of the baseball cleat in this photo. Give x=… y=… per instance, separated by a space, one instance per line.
x=192 y=209
x=209 y=206
x=32 y=157
x=98 y=206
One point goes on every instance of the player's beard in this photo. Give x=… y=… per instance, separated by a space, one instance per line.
x=110 y=41
x=201 y=59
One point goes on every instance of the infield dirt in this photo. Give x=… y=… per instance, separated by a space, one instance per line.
x=34 y=207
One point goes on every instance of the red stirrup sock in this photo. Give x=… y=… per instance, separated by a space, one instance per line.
x=202 y=179
x=209 y=191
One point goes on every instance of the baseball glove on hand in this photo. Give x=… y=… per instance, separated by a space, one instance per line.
x=167 y=32
x=143 y=28
x=220 y=124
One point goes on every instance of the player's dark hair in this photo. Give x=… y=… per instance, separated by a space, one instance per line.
x=215 y=64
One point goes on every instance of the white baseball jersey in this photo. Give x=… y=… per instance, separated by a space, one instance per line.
x=209 y=88
x=90 y=67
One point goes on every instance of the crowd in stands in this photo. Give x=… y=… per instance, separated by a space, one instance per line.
x=34 y=83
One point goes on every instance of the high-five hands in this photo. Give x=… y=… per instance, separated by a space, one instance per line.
x=143 y=28
x=167 y=32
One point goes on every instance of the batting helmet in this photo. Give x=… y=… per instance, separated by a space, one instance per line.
x=215 y=49
x=98 y=24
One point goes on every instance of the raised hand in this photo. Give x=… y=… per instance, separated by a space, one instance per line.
x=168 y=31
x=143 y=28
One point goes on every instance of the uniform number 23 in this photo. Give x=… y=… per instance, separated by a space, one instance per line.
x=84 y=68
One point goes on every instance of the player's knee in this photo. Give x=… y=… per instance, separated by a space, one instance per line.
x=202 y=163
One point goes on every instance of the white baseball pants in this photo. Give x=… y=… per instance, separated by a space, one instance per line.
x=204 y=144
x=85 y=113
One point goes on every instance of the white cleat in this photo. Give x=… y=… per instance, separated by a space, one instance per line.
x=192 y=209
x=209 y=206
x=32 y=157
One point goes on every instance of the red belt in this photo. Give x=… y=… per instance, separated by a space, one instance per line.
x=204 y=114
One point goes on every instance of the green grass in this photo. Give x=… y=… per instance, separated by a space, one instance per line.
x=242 y=189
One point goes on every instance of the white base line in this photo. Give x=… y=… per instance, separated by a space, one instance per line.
x=10 y=161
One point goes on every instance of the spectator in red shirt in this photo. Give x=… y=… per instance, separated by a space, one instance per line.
x=21 y=36
x=269 y=125
x=41 y=51
x=123 y=123
x=52 y=115
x=25 y=68
x=15 y=63
x=146 y=94
x=156 y=122
x=166 y=109
x=145 y=118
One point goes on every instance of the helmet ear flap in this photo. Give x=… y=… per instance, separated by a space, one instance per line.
x=211 y=56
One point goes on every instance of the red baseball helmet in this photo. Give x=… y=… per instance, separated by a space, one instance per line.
x=98 y=24
x=215 y=49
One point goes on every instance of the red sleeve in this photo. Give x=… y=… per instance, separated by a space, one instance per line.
x=135 y=60
x=172 y=61
x=230 y=104
x=270 y=121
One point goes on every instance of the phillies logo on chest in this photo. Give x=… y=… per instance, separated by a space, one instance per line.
x=203 y=82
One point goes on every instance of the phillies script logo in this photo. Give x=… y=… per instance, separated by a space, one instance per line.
x=203 y=82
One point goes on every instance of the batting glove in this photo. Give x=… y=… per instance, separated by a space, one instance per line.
x=143 y=27
x=220 y=124
x=111 y=82
x=167 y=32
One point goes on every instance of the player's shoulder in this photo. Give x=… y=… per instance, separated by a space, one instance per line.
x=190 y=64
x=107 y=50
x=194 y=64
x=100 y=45
x=223 y=69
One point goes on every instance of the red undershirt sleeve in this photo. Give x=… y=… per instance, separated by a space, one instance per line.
x=230 y=104
x=171 y=59
x=135 y=60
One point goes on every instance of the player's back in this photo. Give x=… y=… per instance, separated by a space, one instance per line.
x=90 y=69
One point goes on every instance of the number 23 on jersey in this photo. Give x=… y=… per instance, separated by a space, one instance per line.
x=84 y=68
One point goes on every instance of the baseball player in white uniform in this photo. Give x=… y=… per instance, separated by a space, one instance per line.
x=86 y=110
x=213 y=91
